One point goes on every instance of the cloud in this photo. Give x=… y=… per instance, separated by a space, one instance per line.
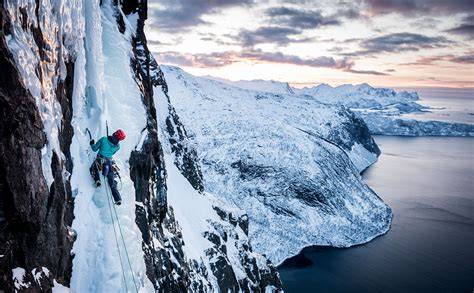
x=465 y=29
x=402 y=42
x=270 y=34
x=417 y=7
x=179 y=15
x=299 y=18
x=396 y=42
x=221 y=59
x=467 y=58
x=286 y=25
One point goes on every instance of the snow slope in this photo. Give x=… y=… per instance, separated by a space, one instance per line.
x=215 y=234
x=291 y=163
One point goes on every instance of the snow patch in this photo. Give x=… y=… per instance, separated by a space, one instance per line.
x=18 y=276
x=58 y=288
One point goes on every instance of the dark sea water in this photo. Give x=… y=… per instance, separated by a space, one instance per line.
x=429 y=184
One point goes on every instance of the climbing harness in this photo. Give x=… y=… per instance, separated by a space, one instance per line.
x=116 y=238
x=99 y=163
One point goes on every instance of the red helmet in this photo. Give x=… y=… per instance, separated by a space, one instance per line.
x=119 y=134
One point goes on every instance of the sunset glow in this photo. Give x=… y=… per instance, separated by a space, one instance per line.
x=384 y=43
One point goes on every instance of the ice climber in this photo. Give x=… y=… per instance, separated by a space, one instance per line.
x=107 y=147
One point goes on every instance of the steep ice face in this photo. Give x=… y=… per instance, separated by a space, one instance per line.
x=108 y=91
x=91 y=66
x=291 y=163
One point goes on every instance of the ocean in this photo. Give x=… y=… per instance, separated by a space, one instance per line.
x=429 y=184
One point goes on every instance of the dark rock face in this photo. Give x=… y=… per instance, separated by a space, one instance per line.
x=257 y=278
x=359 y=132
x=186 y=157
x=34 y=218
x=148 y=172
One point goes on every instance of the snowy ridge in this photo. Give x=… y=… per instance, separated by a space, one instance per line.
x=291 y=163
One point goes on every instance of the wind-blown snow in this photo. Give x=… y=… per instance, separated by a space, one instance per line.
x=291 y=163
x=105 y=89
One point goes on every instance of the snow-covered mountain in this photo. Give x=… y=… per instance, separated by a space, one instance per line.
x=382 y=110
x=291 y=163
x=363 y=96
x=69 y=66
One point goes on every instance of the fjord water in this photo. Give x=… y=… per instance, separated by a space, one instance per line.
x=429 y=184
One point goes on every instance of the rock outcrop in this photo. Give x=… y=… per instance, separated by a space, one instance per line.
x=35 y=217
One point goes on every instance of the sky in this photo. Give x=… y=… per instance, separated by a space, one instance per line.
x=396 y=43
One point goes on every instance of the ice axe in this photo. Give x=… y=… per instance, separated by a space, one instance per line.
x=90 y=135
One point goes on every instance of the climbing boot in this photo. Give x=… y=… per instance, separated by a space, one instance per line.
x=97 y=183
x=118 y=202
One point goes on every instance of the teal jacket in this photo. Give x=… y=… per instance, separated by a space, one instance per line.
x=107 y=146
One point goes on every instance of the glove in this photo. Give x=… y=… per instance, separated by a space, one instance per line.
x=92 y=142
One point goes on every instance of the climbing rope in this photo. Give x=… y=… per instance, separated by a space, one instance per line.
x=115 y=234
x=126 y=251
x=121 y=235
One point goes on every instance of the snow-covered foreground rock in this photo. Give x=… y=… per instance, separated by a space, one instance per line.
x=290 y=162
x=382 y=110
x=69 y=66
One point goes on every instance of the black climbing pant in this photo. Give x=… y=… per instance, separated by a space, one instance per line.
x=109 y=172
